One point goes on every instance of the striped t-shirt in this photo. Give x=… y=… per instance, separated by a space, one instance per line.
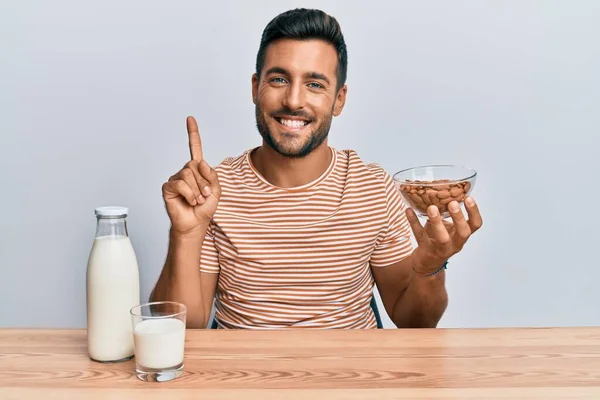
x=301 y=257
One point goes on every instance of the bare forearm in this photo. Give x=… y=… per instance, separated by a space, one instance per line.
x=422 y=303
x=180 y=279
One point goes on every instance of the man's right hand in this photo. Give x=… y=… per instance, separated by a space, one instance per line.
x=192 y=194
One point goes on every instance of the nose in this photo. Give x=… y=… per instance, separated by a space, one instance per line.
x=294 y=97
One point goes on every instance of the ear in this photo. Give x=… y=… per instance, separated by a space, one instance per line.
x=340 y=100
x=255 y=88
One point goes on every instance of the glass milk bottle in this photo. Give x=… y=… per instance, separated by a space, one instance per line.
x=112 y=288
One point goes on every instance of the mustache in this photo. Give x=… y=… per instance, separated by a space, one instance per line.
x=285 y=112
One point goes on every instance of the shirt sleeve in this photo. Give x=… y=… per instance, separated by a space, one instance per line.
x=209 y=255
x=394 y=244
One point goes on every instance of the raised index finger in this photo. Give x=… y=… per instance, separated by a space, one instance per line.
x=195 y=142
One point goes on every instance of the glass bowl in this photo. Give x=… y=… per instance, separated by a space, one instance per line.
x=436 y=185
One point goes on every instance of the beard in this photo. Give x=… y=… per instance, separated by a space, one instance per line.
x=286 y=146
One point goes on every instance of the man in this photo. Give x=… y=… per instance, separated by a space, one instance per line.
x=294 y=234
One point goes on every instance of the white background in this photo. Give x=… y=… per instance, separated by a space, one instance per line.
x=94 y=95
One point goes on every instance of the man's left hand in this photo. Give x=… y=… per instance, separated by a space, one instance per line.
x=439 y=240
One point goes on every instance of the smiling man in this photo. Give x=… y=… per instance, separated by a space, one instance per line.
x=294 y=233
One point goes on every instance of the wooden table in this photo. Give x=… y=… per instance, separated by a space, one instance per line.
x=556 y=363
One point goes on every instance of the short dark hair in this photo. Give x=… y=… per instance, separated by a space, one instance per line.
x=305 y=24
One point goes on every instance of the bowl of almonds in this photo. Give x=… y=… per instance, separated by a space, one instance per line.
x=436 y=185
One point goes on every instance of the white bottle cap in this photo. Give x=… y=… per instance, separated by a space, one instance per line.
x=111 y=211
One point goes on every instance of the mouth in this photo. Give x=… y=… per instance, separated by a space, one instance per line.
x=293 y=124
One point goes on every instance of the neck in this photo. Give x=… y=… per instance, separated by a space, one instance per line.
x=288 y=172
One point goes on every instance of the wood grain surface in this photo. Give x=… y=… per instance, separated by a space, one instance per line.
x=539 y=363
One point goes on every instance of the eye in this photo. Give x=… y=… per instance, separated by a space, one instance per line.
x=277 y=79
x=316 y=85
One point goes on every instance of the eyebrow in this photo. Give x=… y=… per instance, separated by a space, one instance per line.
x=316 y=75
x=283 y=71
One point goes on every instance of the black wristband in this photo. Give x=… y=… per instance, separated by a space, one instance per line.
x=444 y=266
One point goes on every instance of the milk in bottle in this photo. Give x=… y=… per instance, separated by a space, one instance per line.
x=112 y=288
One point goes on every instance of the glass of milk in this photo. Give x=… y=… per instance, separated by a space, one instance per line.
x=159 y=340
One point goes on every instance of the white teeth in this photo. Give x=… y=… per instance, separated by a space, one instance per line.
x=293 y=123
